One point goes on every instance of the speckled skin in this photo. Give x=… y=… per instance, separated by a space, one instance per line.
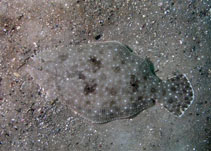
x=106 y=81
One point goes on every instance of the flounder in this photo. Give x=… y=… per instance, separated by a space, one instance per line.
x=106 y=81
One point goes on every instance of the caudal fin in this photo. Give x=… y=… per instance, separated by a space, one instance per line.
x=178 y=94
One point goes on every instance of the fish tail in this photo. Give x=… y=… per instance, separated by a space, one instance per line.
x=178 y=94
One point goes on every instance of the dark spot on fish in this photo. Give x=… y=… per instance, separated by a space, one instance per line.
x=103 y=111
x=89 y=88
x=170 y=100
x=177 y=110
x=186 y=98
x=191 y=93
x=178 y=84
x=96 y=63
x=178 y=105
x=42 y=60
x=114 y=57
x=112 y=103
x=79 y=107
x=164 y=92
x=184 y=106
x=116 y=109
x=177 y=78
x=145 y=77
x=81 y=75
x=134 y=82
x=112 y=90
x=173 y=89
x=94 y=60
x=172 y=79
x=140 y=98
x=101 y=51
x=187 y=101
x=122 y=62
x=116 y=69
x=63 y=57
x=88 y=102
x=134 y=105
x=152 y=101
x=180 y=76
x=89 y=111
x=184 y=90
x=98 y=37
x=187 y=87
x=170 y=110
x=111 y=115
x=153 y=90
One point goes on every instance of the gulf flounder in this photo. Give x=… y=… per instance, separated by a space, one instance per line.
x=106 y=81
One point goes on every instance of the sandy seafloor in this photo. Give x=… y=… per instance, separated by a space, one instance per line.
x=174 y=34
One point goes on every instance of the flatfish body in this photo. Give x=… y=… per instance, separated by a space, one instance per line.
x=105 y=81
